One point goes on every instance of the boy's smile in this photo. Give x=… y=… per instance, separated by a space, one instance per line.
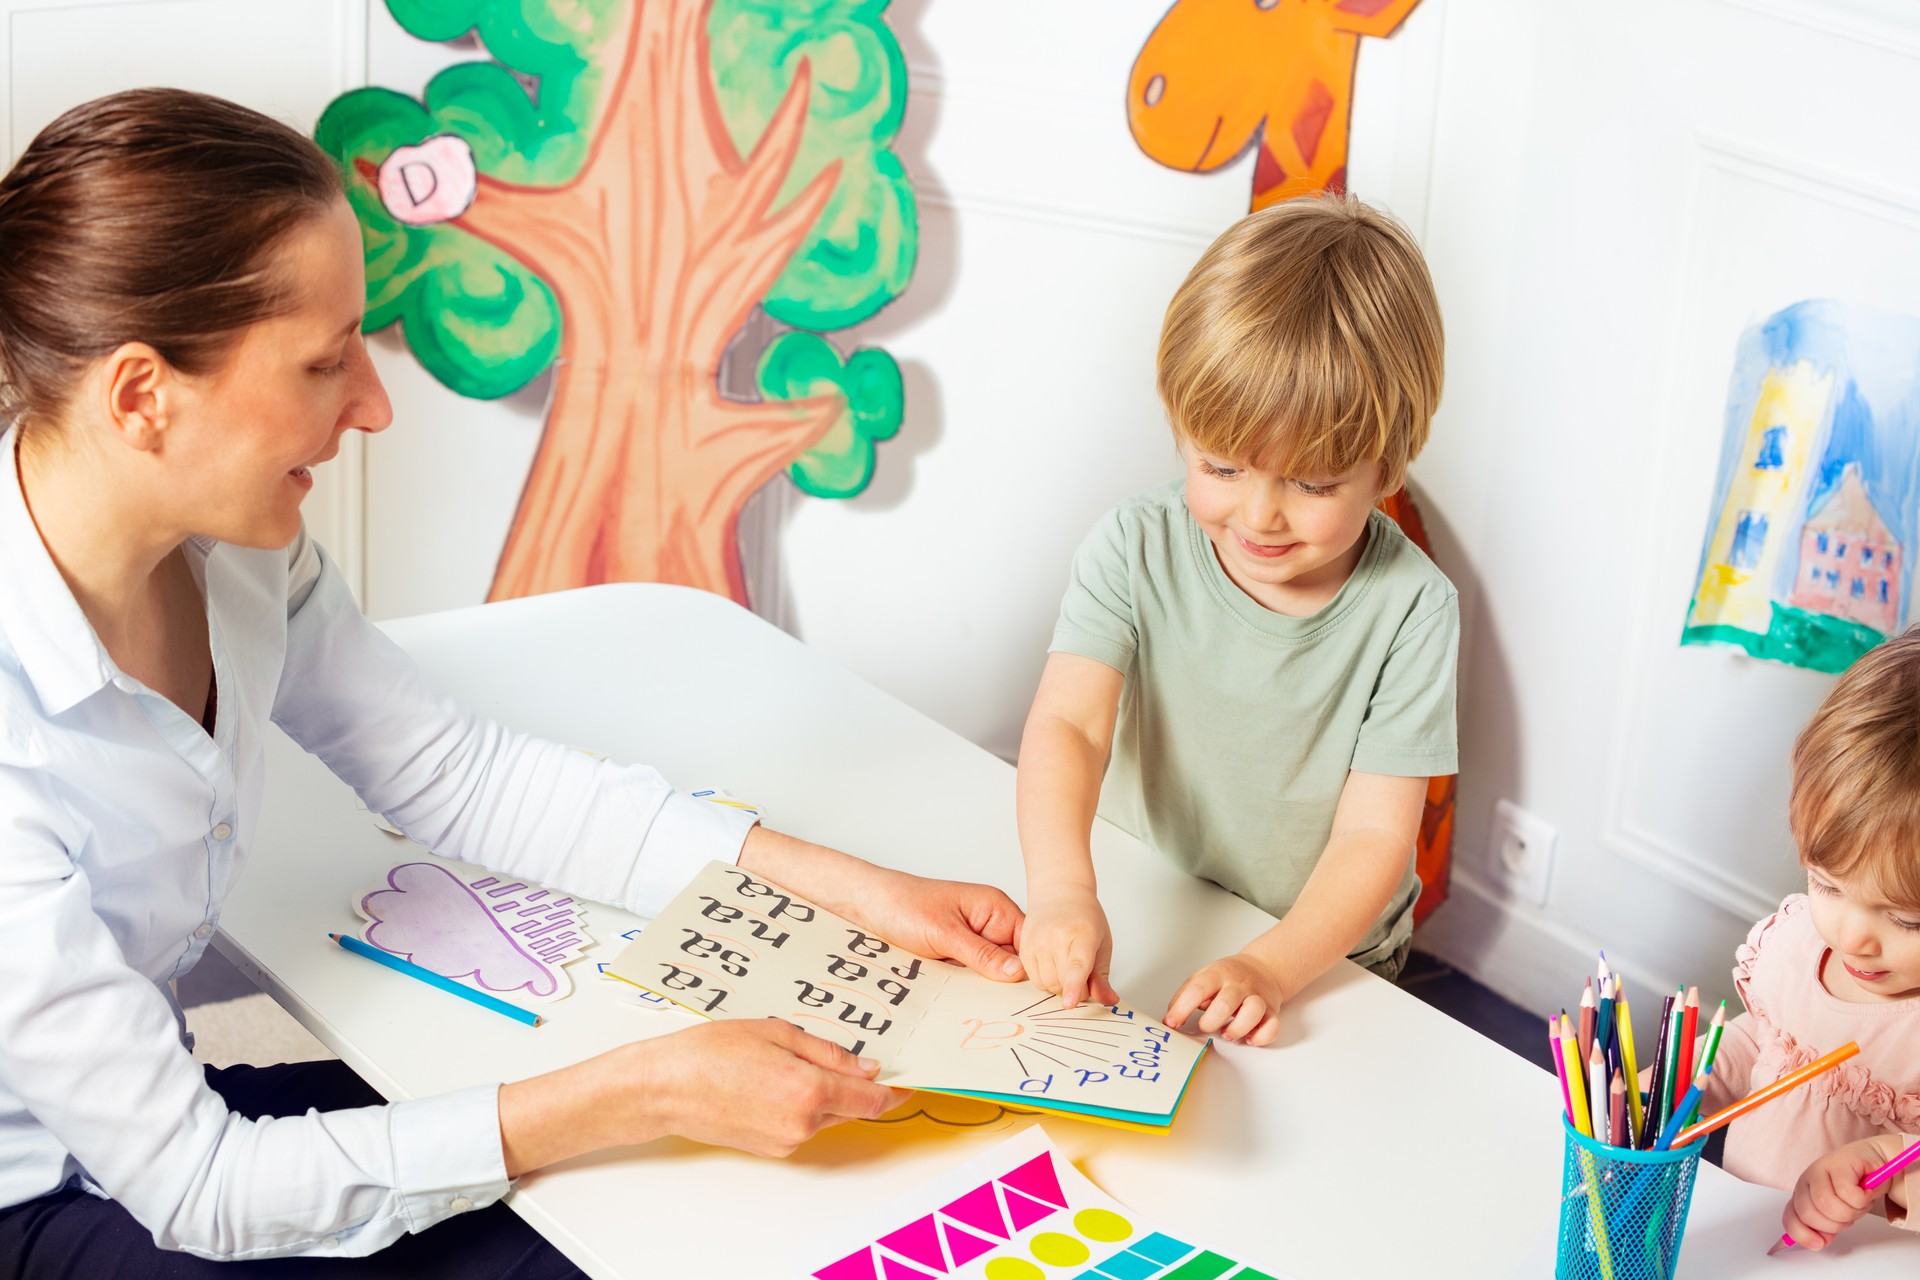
x=1288 y=543
x=1875 y=945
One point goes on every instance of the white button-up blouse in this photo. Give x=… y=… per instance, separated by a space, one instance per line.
x=122 y=827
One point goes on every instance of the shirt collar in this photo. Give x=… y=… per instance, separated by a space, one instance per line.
x=42 y=621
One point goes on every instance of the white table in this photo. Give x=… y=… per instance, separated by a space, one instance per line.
x=1376 y=1138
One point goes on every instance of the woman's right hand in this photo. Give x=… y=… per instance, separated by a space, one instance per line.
x=763 y=1086
x=1066 y=946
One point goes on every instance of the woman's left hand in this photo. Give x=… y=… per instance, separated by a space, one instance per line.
x=976 y=924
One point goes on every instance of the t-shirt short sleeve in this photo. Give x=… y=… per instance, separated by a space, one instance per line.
x=1409 y=730
x=1096 y=617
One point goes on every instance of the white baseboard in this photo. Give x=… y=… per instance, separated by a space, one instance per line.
x=1517 y=951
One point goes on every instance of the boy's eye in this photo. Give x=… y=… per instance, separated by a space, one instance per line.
x=1821 y=886
x=1313 y=490
x=1225 y=473
x=1909 y=925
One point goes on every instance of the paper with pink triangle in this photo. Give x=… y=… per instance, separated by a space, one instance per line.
x=1024 y=1211
x=991 y=1209
x=964 y=1245
x=1037 y=1178
x=980 y=1209
x=919 y=1241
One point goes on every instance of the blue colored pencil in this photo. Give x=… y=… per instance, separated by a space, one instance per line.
x=1683 y=1110
x=428 y=976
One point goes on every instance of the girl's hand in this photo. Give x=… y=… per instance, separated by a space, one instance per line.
x=1067 y=947
x=1828 y=1198
x=1238 y=998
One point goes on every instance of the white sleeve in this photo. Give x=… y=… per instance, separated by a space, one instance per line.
x=465 y=786
x=92 y=1050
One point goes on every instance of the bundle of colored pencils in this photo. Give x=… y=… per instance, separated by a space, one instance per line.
x=1600 y=1071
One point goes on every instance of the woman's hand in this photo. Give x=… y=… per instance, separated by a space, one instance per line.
x=761 y=1085
x=1067 y=946
x=975 y=924
x=1238 y=998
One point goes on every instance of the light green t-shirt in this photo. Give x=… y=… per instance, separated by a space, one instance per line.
x=1238 y=725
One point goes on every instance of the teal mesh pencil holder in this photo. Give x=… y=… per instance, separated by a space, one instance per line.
x=1630 y=1228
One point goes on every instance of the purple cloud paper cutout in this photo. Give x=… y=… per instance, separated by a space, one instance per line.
x=500 y=935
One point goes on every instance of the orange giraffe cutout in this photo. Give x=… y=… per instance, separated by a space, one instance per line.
x=1218 y=76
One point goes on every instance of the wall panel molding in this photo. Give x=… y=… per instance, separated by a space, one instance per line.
x=1626 y=830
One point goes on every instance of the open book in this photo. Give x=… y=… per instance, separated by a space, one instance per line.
x=734 y=946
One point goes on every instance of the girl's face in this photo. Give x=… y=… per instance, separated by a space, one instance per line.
x=1876 y=945
x=1287 y=541
x=246 y=435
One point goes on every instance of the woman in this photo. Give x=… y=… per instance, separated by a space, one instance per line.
x=181 y=293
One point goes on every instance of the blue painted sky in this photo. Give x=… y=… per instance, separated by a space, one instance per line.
x=1873 y=417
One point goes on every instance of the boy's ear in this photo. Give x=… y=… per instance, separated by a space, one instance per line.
x=136 y=386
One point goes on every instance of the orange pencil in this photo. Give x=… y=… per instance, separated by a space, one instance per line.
x=1617 y=1131
x=1760 y=1097
x=1689 y=1027
x=1587 y=1011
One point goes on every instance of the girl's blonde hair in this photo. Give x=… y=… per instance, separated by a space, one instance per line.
x=1855 y=808
x=1306 y=341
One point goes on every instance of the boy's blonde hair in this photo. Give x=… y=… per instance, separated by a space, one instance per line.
x=1855 y=808
x=1306 y=341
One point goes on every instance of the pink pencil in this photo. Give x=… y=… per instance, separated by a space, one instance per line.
x=1559 y=1064
x=1878 y=1178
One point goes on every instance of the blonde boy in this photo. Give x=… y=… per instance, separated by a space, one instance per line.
x=1259 y=663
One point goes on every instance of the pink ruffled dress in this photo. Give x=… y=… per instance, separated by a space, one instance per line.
x=1791 y=1019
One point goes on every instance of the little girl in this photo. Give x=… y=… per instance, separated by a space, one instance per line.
x=1839 y=963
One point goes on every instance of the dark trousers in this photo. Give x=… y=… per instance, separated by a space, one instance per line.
x=71 y=1235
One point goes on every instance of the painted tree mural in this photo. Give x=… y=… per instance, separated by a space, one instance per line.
x=613 y=194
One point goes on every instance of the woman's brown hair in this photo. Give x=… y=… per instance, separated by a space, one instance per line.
x=145 y=216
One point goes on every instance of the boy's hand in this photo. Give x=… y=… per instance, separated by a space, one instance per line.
x=1238 y=999
x=1067 y=947
x=1829 y=1198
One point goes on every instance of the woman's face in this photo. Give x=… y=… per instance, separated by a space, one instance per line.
x=245 y=436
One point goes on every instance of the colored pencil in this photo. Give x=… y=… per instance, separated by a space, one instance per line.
x=1760 y=1097
x=1559 y=1063
x=1603 y=1018
x=1689 y=1028
x=1628 y=1060
x=1872 y=1182
x=1650 y=1121
x=1586 y=1021
x=1712 y=1051
x=1688 y=1101
x=431 y=978
x=1617 y=1131
x=1597 y=1092
x=1671 y=1085
x=1570 y=1045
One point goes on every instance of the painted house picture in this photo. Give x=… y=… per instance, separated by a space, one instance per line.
x=1808 y=557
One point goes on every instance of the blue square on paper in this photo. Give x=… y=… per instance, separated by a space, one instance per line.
x=1127 y=1265
x=1161 y=1248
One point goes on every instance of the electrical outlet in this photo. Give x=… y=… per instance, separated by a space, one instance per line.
x=1520 y=853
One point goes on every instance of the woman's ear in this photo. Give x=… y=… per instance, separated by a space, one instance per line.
x=134 y=385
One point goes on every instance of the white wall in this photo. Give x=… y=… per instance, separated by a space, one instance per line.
x=1679 y=170
x=1608 y=195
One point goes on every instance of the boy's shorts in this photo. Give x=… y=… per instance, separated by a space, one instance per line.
x=1389 y=967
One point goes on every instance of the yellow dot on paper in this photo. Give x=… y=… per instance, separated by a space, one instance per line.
x=1103 y=1225
x=1057 y=1250
x=1013 y=1269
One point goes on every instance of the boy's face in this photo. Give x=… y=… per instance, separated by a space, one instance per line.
x=1288 y=542
x=1876 y=945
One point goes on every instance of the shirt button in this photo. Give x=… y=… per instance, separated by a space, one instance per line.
x=460 y=1204
x=203 y=931
x=222 y=831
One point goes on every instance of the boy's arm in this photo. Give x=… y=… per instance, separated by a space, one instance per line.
x=1063 y=756
x=1374 y=829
